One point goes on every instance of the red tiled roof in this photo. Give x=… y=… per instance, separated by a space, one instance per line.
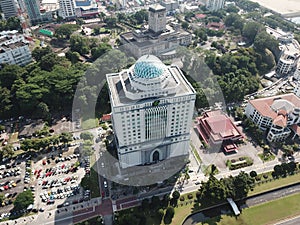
x=230 y=147
x=218 y=126
x=296 y=129
x=280 y=121
x=200 y=16
x=263 y=105
x=106 y=117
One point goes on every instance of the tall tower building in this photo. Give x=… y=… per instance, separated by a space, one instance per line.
x=9 y=8
x=157 y=18
x=67 y=8
x=214 y=5
x=152 y=108
x=33 y=11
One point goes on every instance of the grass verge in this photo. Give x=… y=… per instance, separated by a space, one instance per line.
x=281 y=182
x=89 y=123
x=196 y=154
x=266 y=213
x=266 y=157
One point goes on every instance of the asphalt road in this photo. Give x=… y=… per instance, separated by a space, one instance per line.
x=290 y=221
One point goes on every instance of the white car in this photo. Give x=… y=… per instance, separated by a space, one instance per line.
x=105 y=184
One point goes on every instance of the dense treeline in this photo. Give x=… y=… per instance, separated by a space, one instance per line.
x=216 y=191
x=12 y=23
x=273 y=21
x=234 y=75
x=237 y=72
x=40 y=88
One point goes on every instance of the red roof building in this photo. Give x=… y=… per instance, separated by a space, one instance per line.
x=106 y=117
x=200 y=16
x=215 y=128
x=278 y=115
x=215 y=26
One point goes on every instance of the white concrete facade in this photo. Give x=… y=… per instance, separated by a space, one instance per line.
x=214 y=5
x=151 y=122
x=278 y=114
x=157 y=18
x=67 y=9
x=14 y=48
x=9 y=8
x=287 y=63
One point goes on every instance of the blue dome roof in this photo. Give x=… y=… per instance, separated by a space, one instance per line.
x=148 y=67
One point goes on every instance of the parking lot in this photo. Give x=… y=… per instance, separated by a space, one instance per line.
x=12 y=183
x=56 y=180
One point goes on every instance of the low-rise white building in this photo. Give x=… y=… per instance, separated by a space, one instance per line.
x=14 y=48
x=277 y=114
x=288 y=60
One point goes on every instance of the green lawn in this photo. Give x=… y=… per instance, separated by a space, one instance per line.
x=89 y=123
x=196 y=154
x=13 y=137
x=266 y=213
x=265 y=157
x=281 y=182
x=207 y=170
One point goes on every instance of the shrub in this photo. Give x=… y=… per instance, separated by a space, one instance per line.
x=160 y=213
x=253 y=173
x=181 y=198
x=169 y=215
x=190 y=196
x=198 y=195
x=265 y=176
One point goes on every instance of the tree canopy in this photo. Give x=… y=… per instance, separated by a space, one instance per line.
x=23 y=200
x=64 y=31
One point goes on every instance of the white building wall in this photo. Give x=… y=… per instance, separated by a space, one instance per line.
x=157 y=20
x=9 y=8
x=67 y=8
x=214 y=5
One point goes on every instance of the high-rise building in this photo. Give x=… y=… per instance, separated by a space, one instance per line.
x=214 y=5
x=33 y=11
x=67 y=9
x=152 y=108
x=157 y=18
x=9 y=8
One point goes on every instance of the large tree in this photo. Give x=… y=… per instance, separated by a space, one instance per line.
x=251 y=29
x=79 y=44
x=65 y=30
x=39 y=52
x=23 y=200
